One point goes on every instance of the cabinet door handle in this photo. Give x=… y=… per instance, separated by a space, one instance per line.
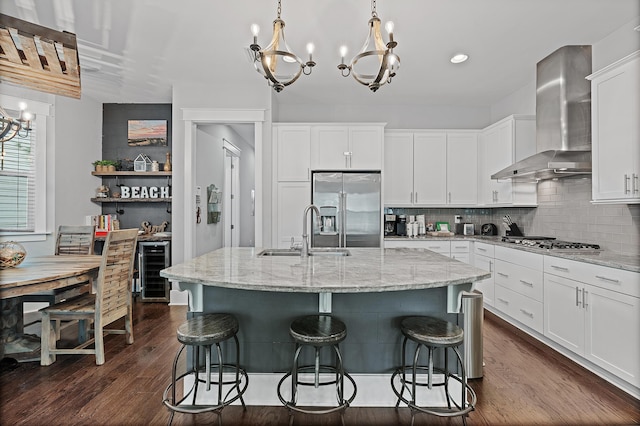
x=577 y=297
x=449 y=197
x=634 y=184
x=611 y=280
x=526 y=283
x=416 y=197
x=560 y=268
x=626 y=184
x=411 y=197
x=481 y=249
x=502 y=275
x=460 y=247
x=584 y=298
x=506 y=302
x=490 y=266
x=527 y=313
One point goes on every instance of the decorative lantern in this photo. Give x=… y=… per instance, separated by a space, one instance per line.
x=142 y=163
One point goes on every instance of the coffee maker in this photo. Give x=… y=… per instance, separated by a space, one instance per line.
x=328 y=218
x=401 y=225
x=389 y=224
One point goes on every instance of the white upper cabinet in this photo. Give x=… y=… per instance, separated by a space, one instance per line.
x=430 y=168
x=398 y=178
x=502 y=144
x=292 y=153
x=462 y=169
x=615 y=125
x=346 y=147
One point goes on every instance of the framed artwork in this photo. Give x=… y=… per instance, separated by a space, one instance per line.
x=147 y=133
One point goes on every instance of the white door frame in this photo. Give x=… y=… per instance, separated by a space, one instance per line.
x=193 y=117
x=230 y=193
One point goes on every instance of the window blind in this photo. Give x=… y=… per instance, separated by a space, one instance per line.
x=17 y=183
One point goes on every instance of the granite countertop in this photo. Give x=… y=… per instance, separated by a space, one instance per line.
x=366 y=270
x=603 y=257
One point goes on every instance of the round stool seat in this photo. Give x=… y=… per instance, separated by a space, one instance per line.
x=318 y=330
x=432 y=331
x=207 y=329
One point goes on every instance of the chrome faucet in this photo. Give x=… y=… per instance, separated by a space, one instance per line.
x=305 y=237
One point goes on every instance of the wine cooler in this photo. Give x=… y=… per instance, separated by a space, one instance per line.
x=154 y=256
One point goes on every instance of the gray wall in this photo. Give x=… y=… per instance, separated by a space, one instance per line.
x=114 y=147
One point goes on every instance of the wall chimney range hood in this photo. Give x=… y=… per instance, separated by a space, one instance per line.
x=563 y=119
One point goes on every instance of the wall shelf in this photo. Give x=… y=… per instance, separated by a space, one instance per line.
x=130 y=173
x=130 y=200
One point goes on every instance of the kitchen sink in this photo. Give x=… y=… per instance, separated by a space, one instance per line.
x=279 y=252
x=312 y=252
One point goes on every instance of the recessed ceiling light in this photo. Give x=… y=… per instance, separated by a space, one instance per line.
x=459 y=58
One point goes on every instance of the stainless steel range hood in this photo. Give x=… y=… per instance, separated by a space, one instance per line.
x=563 y=119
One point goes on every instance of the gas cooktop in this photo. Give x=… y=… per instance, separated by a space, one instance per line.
x=551 y=244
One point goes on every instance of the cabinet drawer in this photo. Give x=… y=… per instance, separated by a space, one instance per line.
x=437 y=246
x=619 y=280
x=520 y=257
x=522 y=308
x=462 y=257
x=520 y=279
x=459 y=246
x=483 y=249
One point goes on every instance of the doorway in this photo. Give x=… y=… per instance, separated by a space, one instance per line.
x=192 y=118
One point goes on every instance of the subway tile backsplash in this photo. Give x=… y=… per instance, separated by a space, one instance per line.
x=564 y=211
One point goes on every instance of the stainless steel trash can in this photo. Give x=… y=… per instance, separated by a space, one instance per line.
x=473 y=311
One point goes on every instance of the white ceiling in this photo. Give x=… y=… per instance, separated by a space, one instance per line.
x=132 y=51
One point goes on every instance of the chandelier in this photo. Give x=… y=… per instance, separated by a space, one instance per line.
x=276 y=62
x=12 y=127
x=376 y=64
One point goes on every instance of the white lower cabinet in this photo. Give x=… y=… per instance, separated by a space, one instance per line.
x=483 y=258
x=519 y=286
x=597 y=323
x=442 y=247
x=460 y=251
x=292 y=198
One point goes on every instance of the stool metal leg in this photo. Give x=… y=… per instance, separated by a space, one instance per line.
x=244 y=407
x=403 y=379
x=220 y=370
x=446 y=377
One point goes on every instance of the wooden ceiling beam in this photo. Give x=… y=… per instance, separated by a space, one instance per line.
x=43 y=59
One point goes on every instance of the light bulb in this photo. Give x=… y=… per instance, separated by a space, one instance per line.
x=343 y=52
x=27 y=116
x=389 y=27
x=22 y=106
x=310 y=48
x=255 y=30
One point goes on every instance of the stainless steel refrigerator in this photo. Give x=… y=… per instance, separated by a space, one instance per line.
x=350 y=207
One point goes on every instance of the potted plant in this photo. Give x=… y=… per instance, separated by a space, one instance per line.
x=105 y=165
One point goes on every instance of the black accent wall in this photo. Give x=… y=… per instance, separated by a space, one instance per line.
x=115 y=119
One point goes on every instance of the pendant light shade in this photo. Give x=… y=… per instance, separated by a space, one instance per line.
x=276 y=62
x=376 y=63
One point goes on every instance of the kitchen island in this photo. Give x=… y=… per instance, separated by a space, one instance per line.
x=370 y=290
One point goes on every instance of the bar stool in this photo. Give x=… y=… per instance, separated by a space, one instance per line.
x=203 y=332
x=432 y=333
x=317 y=331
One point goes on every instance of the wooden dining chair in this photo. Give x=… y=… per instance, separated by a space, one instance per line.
x=70 y=240
x=112 y=300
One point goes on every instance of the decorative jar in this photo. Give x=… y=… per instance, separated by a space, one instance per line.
x=11 y=254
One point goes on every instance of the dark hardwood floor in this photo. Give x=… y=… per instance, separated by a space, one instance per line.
x=524 y=383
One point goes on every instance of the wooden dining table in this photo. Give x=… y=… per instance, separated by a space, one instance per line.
x=34 y=275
